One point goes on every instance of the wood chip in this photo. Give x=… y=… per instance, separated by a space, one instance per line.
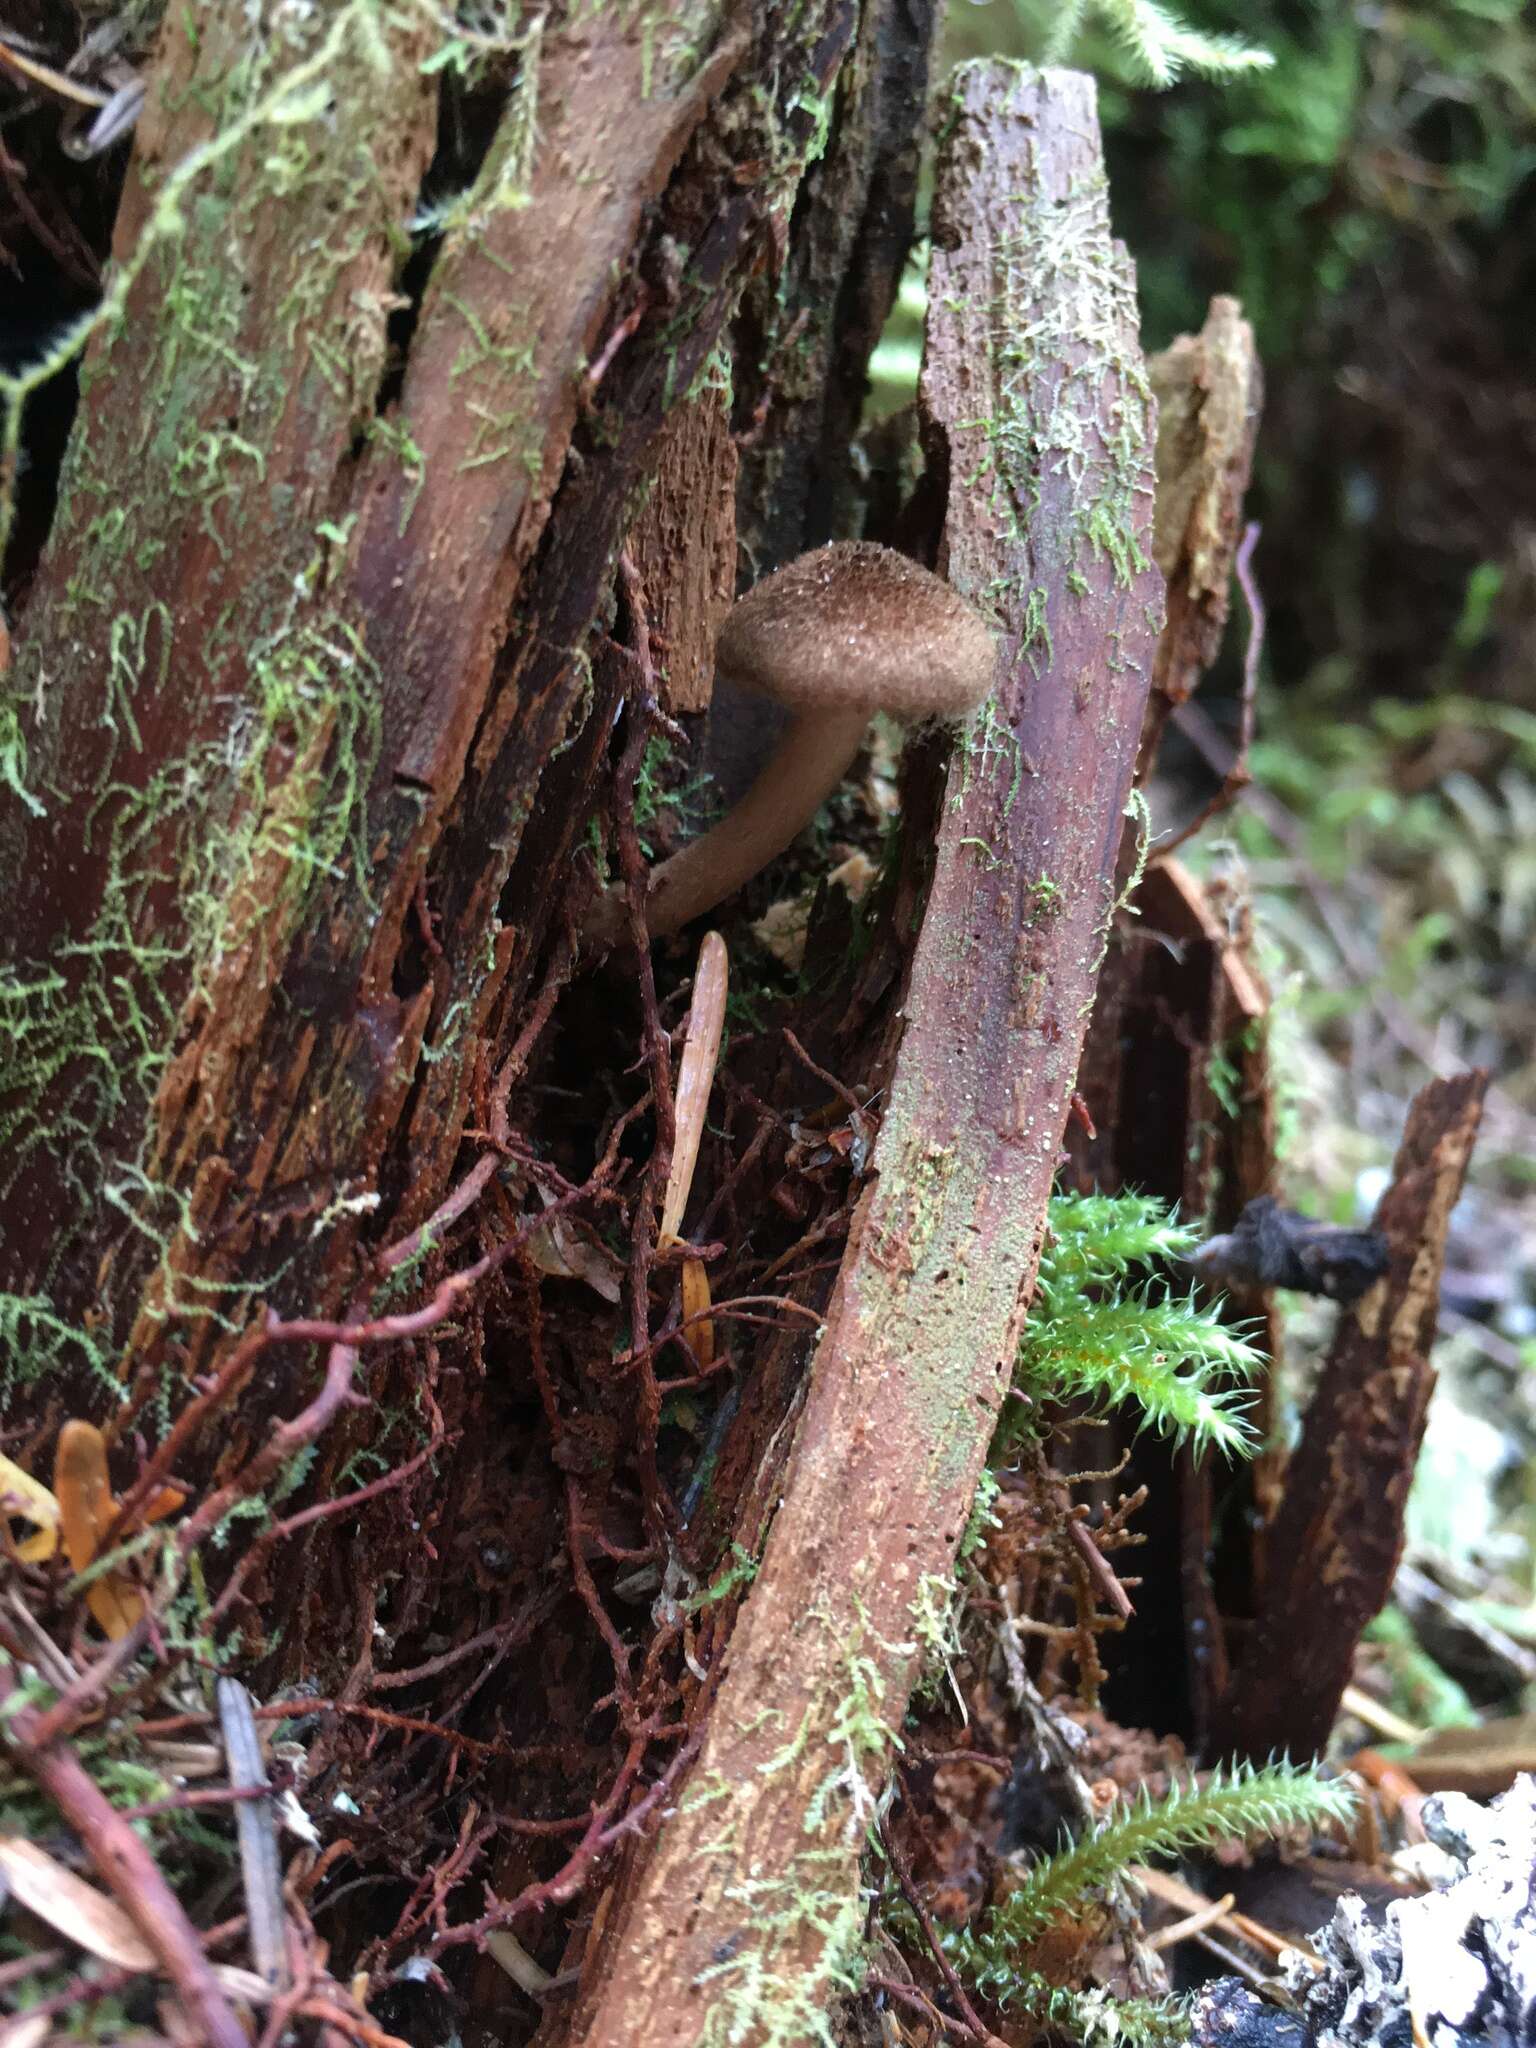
x=695 y=1079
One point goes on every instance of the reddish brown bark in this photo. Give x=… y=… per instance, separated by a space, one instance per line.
x=448 y=606
x=746 y=1905
x=1336 y=1541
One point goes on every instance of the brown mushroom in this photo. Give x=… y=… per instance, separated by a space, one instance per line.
x=843 y=632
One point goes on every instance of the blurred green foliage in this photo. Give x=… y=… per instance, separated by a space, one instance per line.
x=1372 y=122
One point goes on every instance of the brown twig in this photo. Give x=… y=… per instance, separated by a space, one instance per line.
x=1098 y=1567
x=601 y=1835
x=840 y=1089
x=946 y=1968
x=302 y=1709
x=504 y=1634
x=319 y=1511
x=622 y=330
x=617 y=1649
x=187 y=1799
x=912 y=1996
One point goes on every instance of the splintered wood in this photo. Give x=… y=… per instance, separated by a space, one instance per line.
x=1335 y=1543
x=1209 y=390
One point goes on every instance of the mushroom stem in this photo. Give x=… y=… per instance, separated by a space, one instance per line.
x=807 y=765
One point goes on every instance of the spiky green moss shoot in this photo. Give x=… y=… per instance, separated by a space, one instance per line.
x=1246 y=1801
x=1092 y=1337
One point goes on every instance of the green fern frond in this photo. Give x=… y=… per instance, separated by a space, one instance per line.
x=1248 y=1800
x=1158 y=44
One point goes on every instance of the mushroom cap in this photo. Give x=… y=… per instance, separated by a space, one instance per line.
x=855 y=626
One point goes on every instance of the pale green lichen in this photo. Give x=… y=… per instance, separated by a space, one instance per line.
x=935 y=1621
x=763 y=1993
x=1073 y=400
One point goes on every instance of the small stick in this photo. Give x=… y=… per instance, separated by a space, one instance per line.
x=622 y=330
x=37 y=73
x=913 y=1897
x=840 y=1089
x=1100 y=1570
x=1193 y=1923
x=255 y=1832
x=695 y=1079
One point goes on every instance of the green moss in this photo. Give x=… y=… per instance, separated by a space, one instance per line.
x=763 y=1993
x=243 y=827
x=219 y=846
x=765 y=1990
x=738 y=1572
x=1047 y=899
x=984 y=736
x=1073 y=397
x=935 y=1622
x=1036 y=641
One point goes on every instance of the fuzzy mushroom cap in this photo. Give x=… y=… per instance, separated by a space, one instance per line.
x=856 y=626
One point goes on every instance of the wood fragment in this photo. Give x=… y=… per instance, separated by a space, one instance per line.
x=261 y=1871
x=1476 y=1761
x=683 y=544
x=1337 y=1537
x=1209 y=390
x=695 y=1079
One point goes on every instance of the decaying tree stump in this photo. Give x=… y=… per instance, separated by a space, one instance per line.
x=380 y=556
x=310 y=629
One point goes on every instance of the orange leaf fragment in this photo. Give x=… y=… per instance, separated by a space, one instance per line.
x=29 y=1500
x=696 y=1299
x=86 y=1510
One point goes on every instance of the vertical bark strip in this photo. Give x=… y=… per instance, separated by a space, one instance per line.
x=747 y=1920
x=175 y=675
x=823 y=319
x=1210 y=391
x=1337 y=1538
